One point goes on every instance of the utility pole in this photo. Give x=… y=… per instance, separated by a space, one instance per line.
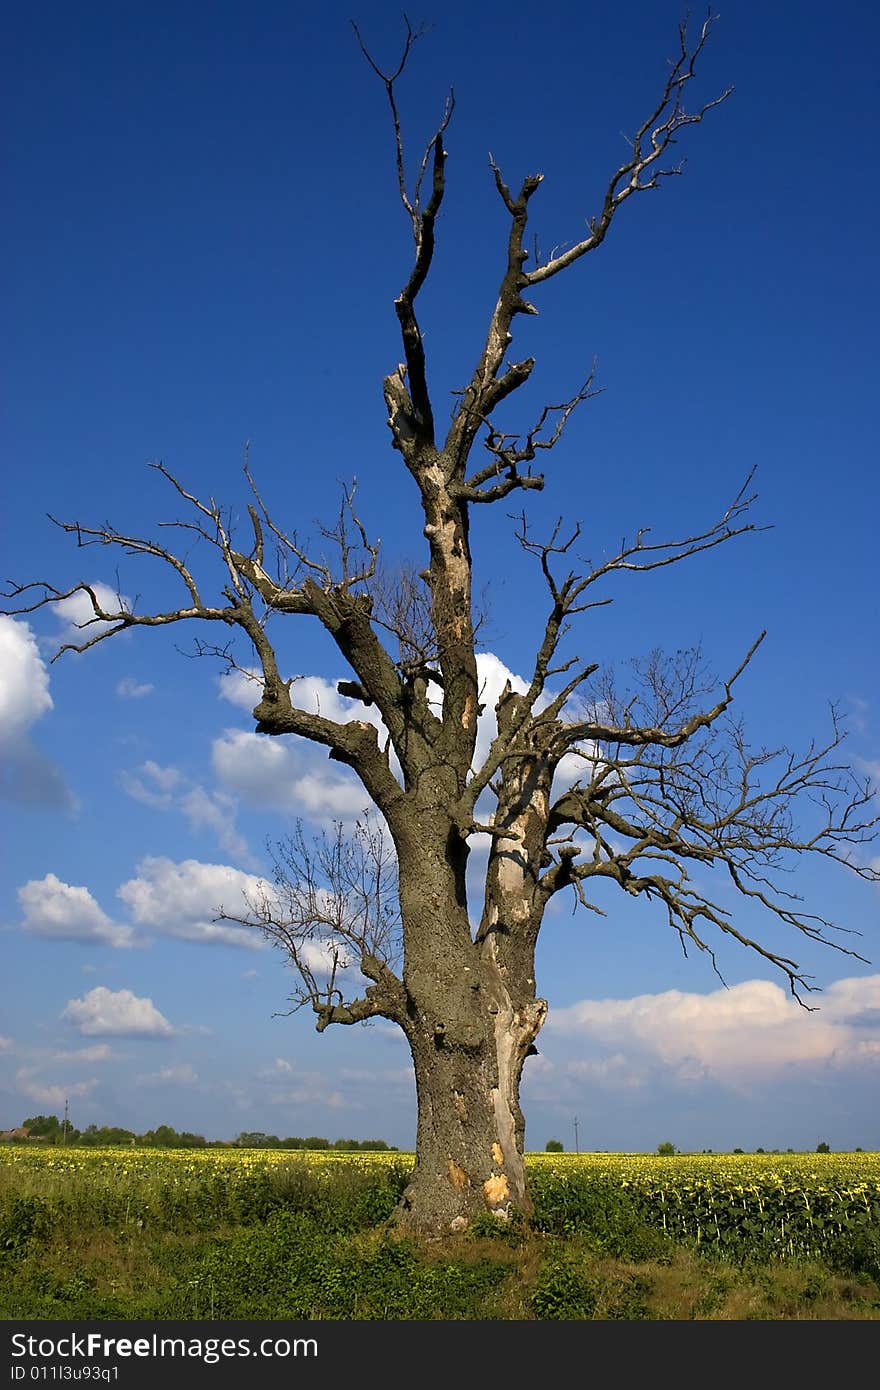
x=576 y=1148
x=64 y=1130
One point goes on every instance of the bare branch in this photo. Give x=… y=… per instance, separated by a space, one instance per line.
x=718 y=804
x=511 y=450
x=416 y=408
x=388 y=80
x=486 y=389
x=345 y=615
x=640 y=554
x=521 y=725
x=658 y=735
x=351 y=570
x=653 y=138
x=334 y=912
x=117 y=620
x=641 y=171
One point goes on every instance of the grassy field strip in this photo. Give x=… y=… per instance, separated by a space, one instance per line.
x=232 y=1233
x=791 y=1201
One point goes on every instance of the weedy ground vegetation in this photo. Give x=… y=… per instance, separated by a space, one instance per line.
x=119 y=1233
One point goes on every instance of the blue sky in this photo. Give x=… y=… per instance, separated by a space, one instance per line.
x=202 y=245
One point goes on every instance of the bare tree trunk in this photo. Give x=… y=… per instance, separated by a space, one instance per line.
x=470 y=1026
x=469 y=1140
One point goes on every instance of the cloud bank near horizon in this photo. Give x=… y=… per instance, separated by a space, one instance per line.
x=749 y=1035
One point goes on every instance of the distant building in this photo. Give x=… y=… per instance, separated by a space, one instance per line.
x=8 y=1136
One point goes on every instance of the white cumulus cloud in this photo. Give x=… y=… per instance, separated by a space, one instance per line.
x=241 y=687
x=27 y=776
x=752 y=1031
x=48 y=1094
x=116 y=1013
x=68 y=912
x=181 y=900
x=24 y=680
x=283 y=775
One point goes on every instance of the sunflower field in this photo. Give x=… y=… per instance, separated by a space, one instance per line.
x=776 y=1204
x=240 y=1233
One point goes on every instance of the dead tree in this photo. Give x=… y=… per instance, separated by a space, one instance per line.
x=667 y=780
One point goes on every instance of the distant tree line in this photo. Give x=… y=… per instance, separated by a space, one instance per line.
x=48 y=1129
x=255 y=1139
x=555 y=1146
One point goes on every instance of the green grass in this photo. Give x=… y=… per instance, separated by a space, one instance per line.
x=112 y=1239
